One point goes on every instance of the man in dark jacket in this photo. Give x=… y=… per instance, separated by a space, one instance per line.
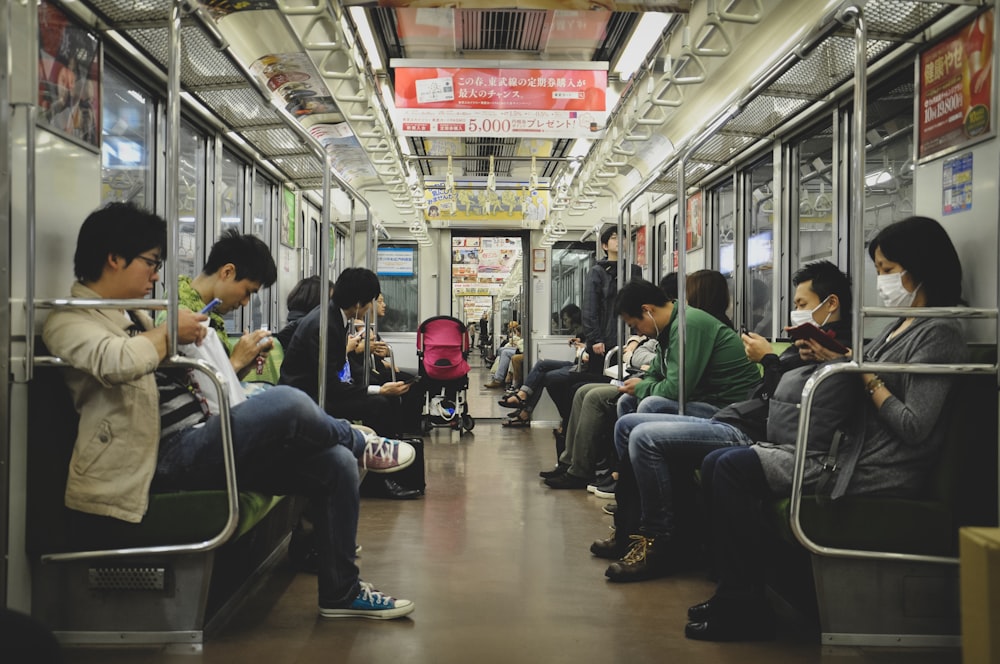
x=346 y=395
x=600 y=321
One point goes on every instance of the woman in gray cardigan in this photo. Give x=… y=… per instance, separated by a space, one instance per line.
x=917 y=266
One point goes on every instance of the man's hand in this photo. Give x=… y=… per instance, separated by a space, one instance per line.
x=355 y=344
x=380 y=348
x=812 y=351
x=249 y=346
x=756 y=346
x=628 y=387
x=599 y=349
x=189 y=327
x=395 y=389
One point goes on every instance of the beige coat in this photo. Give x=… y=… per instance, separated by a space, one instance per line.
x=114 y=391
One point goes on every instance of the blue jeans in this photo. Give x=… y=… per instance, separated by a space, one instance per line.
x=284 y=444
x=734 y=486
x=534 y=380
x=660 y=446
x=505 y=356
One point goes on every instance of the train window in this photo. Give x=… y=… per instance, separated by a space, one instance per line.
x=231 y=216
x=759 y=246
x=126 y=126
x=812 y=211
x=571 y=262
x=190 y=206
x=397 y=272
x=722 y=207
x=888 y=166
x=262 y=204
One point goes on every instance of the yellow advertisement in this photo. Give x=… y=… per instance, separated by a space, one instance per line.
x=514 y=205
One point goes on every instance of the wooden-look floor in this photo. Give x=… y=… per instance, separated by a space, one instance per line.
x=500 y=571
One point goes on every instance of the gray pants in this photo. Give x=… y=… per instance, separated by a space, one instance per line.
x=592 y=419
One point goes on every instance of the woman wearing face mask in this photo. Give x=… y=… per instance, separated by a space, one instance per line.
x=904 y=427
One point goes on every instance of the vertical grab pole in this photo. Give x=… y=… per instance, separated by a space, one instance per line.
x=856 y=223
x=624 y=274
x=681 y=280
x=30 y=214
x=370 y=314
x=172 y=158
x=324 y=278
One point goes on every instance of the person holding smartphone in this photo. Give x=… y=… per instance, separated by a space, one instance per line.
x=237 y=267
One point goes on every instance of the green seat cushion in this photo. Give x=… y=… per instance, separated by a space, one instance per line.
x=194 y=516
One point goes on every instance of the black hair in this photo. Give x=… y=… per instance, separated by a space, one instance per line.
x=305 y=295
x=708 y=290
x=355 y=285
x=922 y=246
x=668 y=284
x=607 y=233
x=572 y=312
x=635 y=294
x=248 y=253
x=827 y=280
x=122 y=229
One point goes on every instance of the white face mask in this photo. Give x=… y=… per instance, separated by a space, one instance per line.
x=892 y=292
x=801 y=316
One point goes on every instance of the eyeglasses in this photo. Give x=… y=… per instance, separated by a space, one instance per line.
x=153 y=263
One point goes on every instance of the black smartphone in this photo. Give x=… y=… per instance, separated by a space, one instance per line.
x=411 y=381
x=744 y=330
x=808 y=331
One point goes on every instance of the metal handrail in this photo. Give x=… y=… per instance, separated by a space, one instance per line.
x=798 y=475
x=229 y=464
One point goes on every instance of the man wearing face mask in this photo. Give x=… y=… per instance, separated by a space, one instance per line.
x=654 y=508
x=822 y=298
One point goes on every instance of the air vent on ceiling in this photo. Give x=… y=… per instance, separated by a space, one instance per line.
x=521 y=30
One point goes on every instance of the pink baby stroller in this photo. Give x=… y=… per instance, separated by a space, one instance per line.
x=442 y=353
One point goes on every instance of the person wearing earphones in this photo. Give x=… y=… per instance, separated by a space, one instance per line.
x=665 y=449
x=717 y=371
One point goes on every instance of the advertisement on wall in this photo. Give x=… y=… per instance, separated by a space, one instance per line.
x=527 y=103
x=955 y=78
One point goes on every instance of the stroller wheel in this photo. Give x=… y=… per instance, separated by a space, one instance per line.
x=468 y=423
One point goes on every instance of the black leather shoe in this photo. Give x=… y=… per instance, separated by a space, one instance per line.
x=567 y=481
x=701 y=612
x=555 y=472
x=397 y=491
x=607 y=548
x=747 y=622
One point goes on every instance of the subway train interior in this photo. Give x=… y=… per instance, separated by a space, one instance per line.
x=473 y=154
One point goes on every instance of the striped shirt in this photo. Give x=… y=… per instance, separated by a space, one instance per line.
x=180 y=404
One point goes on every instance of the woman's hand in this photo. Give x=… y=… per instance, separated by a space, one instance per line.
x=756 y=346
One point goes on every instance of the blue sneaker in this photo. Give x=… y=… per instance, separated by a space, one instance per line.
x=371 y=603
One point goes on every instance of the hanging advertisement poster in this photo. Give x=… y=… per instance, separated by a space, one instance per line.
x=288 y=218
x=640 y=246
x=69 y=77
x=527 y=103
x=695 y=223
x=955 y=77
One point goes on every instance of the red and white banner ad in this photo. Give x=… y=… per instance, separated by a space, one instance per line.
x=448 y=101
x=956 y=89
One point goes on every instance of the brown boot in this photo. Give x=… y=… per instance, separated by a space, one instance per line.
x=647 y=558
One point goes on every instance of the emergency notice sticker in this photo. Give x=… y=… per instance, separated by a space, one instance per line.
x=431 y=90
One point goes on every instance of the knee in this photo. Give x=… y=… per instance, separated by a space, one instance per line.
x=341 y=466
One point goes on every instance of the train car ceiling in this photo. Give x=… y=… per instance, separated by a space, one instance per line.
x=297 y=75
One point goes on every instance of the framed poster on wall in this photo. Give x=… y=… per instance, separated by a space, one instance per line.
x=695 y=223
x=69 y=77
x=956 y=90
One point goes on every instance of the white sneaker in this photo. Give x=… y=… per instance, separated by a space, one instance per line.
x=385 y=455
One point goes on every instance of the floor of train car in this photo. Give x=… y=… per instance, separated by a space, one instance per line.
x=500 y=571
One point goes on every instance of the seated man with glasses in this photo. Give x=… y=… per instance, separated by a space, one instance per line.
x=145 y=427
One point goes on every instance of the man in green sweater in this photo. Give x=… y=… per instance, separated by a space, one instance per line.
x=717 y=373
x=237 y=267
